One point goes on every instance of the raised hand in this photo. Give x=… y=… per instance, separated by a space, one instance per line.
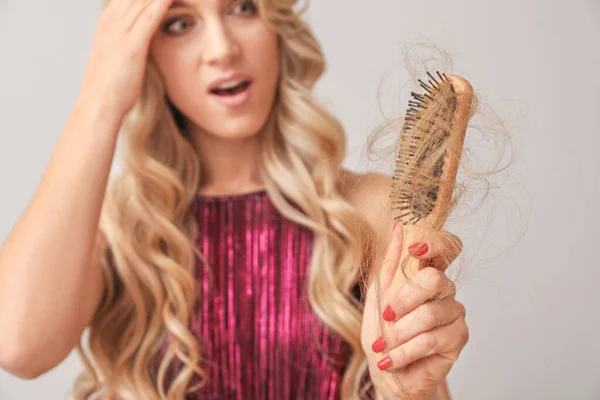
x=115 y=70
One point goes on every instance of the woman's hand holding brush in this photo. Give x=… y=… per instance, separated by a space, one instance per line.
x=426 y=337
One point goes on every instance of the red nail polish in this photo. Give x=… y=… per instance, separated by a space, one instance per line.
x=412 y=246
x=379 y=345
x=385 y=363
x=422 y=250
x=389 y=314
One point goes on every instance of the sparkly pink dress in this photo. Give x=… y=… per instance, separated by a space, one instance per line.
x=259 y=336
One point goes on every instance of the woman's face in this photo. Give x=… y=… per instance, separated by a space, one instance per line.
x=203 y=41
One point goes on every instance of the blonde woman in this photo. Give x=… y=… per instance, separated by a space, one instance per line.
x=232 y=258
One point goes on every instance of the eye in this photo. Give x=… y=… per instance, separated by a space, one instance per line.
x=177 y=25
x=246 y=7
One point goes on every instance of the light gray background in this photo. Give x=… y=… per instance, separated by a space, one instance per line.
x=533 y=310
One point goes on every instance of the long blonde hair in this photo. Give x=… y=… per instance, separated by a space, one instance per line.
x=147 y=231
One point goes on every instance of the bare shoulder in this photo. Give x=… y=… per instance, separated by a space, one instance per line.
x=369 y=194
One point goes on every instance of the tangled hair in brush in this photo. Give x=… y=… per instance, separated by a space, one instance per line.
x=147 y=235
x=477 y=176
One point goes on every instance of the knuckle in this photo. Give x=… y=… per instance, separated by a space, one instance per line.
x=431 y=280
x=450 y=288
x=429 y=340
x=465 y=334
x=453 y=241
x=436 y=279
x=462 y=310
x=430 y=316
x=429 y=276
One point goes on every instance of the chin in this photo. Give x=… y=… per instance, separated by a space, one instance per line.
x=234 y=128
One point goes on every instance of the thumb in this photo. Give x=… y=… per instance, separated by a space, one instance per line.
x=392 y=257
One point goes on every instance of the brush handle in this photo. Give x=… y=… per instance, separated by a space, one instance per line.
x=437 y=218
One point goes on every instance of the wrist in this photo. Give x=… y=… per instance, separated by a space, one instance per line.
x=98 y=113
x=97 y=117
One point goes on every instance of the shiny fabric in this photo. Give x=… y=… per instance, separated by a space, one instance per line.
x=260 y=338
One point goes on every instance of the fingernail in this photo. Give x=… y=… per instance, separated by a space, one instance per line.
x=385 y=363
x=389 y=314
x=379 y=345
x=395 y=225
x=422 y=250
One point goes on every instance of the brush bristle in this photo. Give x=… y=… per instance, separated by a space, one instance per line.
x=421 y=155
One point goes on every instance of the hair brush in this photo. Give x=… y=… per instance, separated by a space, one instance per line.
x=429 y=153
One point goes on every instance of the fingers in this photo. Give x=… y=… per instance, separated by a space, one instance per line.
x=142 y=16
x=441 y=247
x=447 y=340
x=121 y=8
x=150 y=16
x=392 y=256
x=425 y=318
x=428 y=283
x=132 y=14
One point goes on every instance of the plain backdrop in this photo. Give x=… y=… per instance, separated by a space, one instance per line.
x=530 y=251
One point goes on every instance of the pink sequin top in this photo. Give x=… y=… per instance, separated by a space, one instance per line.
x=260 y=338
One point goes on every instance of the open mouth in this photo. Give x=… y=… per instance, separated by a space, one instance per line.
x=232 y=90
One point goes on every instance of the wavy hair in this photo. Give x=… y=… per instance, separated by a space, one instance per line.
x=147 y=231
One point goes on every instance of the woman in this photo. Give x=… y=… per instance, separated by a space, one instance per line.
x=233 y=256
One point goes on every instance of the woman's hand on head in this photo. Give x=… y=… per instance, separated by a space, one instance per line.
x=426 y=337
x=115 y=72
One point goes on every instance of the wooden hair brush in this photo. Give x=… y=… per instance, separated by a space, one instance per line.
x=430 y=149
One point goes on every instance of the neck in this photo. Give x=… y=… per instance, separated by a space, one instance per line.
x=231 y=165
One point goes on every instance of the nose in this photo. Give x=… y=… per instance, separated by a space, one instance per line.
x=220 y=45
